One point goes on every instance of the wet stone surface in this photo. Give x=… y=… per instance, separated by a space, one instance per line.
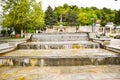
x=104 y=72
x=72 y=63
x=61 y=53
x=59 y=45
x=70 y=57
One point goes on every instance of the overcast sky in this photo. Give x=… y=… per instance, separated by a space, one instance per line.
x=113 y=4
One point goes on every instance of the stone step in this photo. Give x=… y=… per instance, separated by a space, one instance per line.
x=44 y=37
x=4 y=47
x=70 y=57
x=53 y=61
x=59 y=45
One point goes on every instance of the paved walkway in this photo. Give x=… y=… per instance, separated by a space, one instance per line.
x=9 y=44
x=62 y=53
x=108 y=72
x=114 y=45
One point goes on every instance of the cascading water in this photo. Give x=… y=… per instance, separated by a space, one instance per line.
x=57 y=49
x=59 y=41
x=59 y=45
x=61 y=49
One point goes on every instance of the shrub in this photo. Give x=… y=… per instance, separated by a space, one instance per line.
x=9 y=32
x=3 y=32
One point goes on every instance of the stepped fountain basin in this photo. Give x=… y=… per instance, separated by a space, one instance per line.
x=59 y=45
x=59 y=41
x=65 y=57
x=44 y=37
x=71 y=55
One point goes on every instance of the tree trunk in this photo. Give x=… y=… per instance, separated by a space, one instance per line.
x=22 y=35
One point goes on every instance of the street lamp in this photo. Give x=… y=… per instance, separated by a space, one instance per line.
x=92 y=24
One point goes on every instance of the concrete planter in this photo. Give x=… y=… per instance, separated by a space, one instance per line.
x=17 y=35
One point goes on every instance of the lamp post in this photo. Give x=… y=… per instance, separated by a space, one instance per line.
x=92 y=24
x=60 y=20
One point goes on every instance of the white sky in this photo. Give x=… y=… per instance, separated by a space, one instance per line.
x=82 y=3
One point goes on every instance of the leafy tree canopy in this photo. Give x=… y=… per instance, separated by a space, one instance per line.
x=22 y=14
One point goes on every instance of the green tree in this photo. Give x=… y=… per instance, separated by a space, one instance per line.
x=14 y=13
x=36 y=16
x=117 y=18
x=82 y=18
x=61 y=10
x=50 y=18
x=21 y=14
x=71 y=18
x=108 y=15
x=85 y=15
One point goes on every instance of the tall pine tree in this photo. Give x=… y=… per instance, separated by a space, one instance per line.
x=71 y=18
x=50 y=18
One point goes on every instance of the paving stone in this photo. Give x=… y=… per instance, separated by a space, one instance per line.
x=104 y=72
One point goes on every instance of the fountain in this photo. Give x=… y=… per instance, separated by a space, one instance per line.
x=59 y=49
x=59 y=41
x=62 y=50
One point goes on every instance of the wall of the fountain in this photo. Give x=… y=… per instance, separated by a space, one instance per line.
x=43 y=37
x=56 y=45
x=29 y=61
